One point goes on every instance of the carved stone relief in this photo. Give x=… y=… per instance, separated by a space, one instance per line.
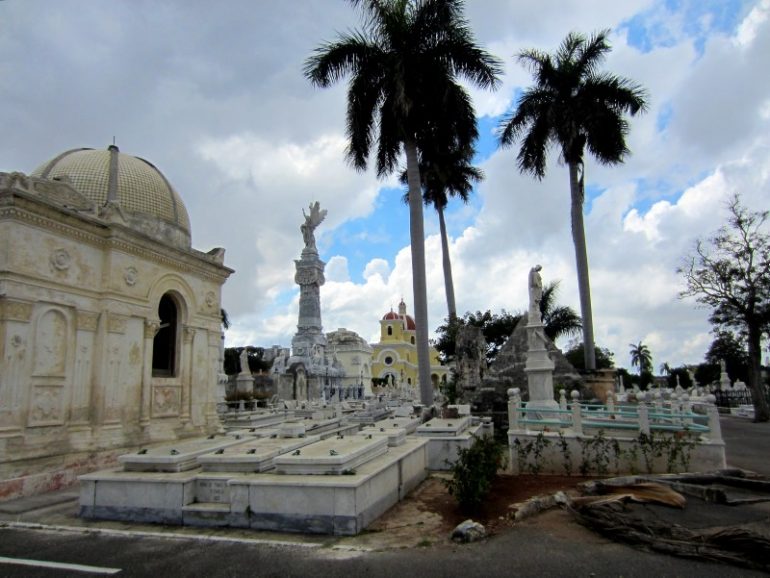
x=51 y=339
x=166 y=400
x=116 y=323
x=15 y=310
x=62 y=193
x=60 y=259
x=151 y=328
x=46 y=406
x=188 y=333
x=130 y=276
x=87 y=320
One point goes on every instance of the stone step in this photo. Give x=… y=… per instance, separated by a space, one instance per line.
x=206 y=514
x=207 y=507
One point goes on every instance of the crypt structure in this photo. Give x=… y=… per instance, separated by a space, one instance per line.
x=110 y=322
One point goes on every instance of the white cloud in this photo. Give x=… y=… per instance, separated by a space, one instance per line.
x=337 y=270
x=377 y=267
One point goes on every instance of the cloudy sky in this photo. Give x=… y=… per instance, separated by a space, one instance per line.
x=213 y=94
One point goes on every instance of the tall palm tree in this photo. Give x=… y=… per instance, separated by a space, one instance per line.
x=641 y=356
x=403 y=67
x=558 y=320
x=573 y=106
x=446 y=173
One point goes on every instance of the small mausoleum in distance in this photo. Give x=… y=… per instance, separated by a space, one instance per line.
x=110 y=322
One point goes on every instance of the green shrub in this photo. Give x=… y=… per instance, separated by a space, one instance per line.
x=474 y=470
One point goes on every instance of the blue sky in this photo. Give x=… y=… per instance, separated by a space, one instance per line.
x=217 y=100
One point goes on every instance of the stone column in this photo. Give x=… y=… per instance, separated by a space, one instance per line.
x=309 y=341
x=151 y=328
x=188 y=334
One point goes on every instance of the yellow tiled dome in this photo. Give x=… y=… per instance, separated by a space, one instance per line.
x=109 y=175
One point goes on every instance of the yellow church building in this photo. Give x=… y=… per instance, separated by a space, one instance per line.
x=394 y=358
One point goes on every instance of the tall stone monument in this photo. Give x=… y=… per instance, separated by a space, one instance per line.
x=309 y=373
x=539 y=367
x=309 y=339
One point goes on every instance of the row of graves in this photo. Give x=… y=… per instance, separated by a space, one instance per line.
x=303 y=467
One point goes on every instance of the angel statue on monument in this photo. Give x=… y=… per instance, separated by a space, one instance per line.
x=312 y=221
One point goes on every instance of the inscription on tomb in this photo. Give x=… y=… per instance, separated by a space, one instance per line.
x=212 y=491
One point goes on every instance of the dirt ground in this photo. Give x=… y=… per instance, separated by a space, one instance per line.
x=429 y=514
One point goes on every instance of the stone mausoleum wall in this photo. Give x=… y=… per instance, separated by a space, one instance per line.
x=80 y=309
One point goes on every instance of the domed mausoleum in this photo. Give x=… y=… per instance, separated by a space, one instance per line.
x=110 y=324
x=109 y=178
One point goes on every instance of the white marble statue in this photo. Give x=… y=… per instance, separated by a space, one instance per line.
x=535 y=294
x=312 y=221
x=245 y=362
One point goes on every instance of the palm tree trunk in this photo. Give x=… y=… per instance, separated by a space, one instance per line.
x=448 y=282
x=581 y=262
x=419 y=284
x=757 y=388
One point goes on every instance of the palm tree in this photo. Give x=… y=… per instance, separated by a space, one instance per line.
x=665 y=368
x=404 y=65
x=641 y=356
x=446 y=173
x=558 y=320
x=573 y=106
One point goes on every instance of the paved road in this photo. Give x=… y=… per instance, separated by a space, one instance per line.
x=747 y=444
x=551 y=544
x=532 y=549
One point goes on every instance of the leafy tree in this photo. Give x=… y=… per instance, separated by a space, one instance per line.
x=707 y=373
x=559 y=320
x=623 y=376
x=685 y=380
x=255 y=356
x=730 y=273
x=404 y=67
x=726 y=346
x=497 y=328
x=573 y=106
x=445 y=172
x=641 y=357
x=575 y=354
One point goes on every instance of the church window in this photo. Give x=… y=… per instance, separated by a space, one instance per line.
x=412 y=340
x=388 y=360
x=164 y=346
x=390 y=330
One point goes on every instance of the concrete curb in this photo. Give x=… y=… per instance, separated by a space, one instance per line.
x=160 y=535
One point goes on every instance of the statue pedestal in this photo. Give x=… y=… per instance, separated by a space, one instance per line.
x=244 y=383
x=601 y=382
x=539 y=369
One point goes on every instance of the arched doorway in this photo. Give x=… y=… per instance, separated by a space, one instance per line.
x=164 y=346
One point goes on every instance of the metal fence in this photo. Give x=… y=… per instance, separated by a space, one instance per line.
x=732 y=398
